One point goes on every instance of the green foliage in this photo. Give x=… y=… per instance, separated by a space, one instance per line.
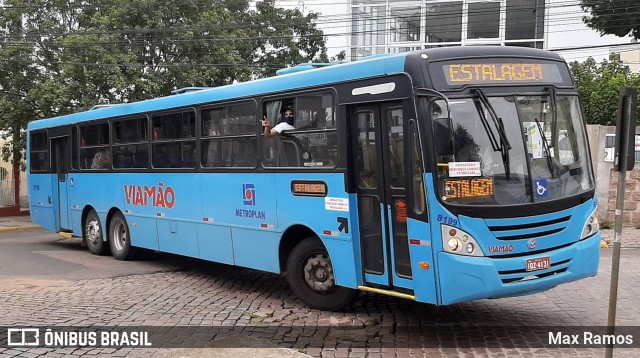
x=613 y=17
x=60 y=57
x=599 y=86
x=605 y=225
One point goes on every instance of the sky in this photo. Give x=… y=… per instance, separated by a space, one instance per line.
x=565 y=27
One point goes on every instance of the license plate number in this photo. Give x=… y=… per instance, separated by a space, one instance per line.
x=539 y=263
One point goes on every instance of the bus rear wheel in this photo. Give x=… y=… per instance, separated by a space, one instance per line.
x=120 y=239
x=93 y=237
x=310 y=275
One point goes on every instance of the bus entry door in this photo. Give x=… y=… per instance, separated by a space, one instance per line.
x=377 y=138
x=60 y=158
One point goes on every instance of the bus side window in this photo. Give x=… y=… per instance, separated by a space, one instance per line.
x=229 y=136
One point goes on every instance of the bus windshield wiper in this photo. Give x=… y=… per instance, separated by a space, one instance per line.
x=504 y=145
x=546 y=147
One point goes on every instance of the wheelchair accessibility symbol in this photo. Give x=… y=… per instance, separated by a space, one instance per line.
x=541 y=189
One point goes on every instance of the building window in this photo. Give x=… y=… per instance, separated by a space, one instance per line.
x=444 y=22
x=368 y=25
x=483 y=20
x=404 y=25
x=413 y=24
x=525 y=19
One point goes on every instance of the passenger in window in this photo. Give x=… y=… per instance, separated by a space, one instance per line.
x=101 y=160
x=285 y=125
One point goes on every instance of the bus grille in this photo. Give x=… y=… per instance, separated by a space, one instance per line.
x=531 y=230
x=513 y=276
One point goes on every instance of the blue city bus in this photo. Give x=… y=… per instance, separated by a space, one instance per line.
x=441 y=176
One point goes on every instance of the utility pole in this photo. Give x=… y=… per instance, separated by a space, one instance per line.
x=624 y=160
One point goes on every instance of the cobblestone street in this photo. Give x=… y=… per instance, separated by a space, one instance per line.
x=260 y=305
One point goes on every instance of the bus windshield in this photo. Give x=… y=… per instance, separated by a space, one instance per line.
x=514 y=150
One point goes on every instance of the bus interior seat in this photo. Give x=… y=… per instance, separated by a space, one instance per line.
x=288 y=154
x=244 y=153
x=141 y=159
x=294 y=152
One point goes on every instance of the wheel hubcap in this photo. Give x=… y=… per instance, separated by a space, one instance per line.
x=318 y=273
x=93 y=232
x=119 y=236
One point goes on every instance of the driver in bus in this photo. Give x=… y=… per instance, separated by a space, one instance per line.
x=285 y=125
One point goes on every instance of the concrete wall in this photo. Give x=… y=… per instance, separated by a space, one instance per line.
x=607 y=180
x=602 y=170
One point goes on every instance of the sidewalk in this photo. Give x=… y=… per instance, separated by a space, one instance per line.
x=10 y=223
x=630 y=234
x=630 y=237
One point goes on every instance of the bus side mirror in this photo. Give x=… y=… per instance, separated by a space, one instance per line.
x=443 y=133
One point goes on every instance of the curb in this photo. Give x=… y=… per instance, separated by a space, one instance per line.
x=16 y=228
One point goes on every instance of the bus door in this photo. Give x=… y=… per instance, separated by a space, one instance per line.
x=61 y=160
x=377 y=139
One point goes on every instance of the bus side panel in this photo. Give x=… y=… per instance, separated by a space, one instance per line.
x=328 y=216
x=96 y=190
x=247 y=204
x=143 y=232
x=214 y=242
x=41 y=202
x=255 y=249
x=178 y=237
x=424 y=279
x=137 y=206
x=176 y=203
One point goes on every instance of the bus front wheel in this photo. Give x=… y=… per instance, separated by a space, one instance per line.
x=311 y=277
x=120 y=240
x=93 y=236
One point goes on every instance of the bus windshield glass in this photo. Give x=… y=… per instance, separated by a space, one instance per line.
x=513 y=150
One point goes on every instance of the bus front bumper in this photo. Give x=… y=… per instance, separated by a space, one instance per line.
x=465 y=278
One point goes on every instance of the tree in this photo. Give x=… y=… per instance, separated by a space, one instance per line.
x=613 y=17
x=598 y=87
x=60 y=57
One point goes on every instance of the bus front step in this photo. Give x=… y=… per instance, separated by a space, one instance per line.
x=387 y=292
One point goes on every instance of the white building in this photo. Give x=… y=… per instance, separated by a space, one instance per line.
x=380 y=26
x=629 y=55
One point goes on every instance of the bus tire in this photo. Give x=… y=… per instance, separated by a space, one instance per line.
x=310 y=275
x=93 y=235
x=120 y=239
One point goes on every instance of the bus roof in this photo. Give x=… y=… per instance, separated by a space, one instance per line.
x=331 y=74
x=372 y=66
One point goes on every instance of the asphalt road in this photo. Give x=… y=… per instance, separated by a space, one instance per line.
x=40 y=254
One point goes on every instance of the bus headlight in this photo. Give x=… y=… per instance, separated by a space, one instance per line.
x=458 y=242
x=591 y=227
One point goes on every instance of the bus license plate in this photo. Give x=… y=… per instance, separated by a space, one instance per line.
x=539 y=263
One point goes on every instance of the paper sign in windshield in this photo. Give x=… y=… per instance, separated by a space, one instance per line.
x=464 y=169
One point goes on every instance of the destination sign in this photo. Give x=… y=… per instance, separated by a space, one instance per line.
x=308 y=188
x=511 y=73
x=468 y=188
